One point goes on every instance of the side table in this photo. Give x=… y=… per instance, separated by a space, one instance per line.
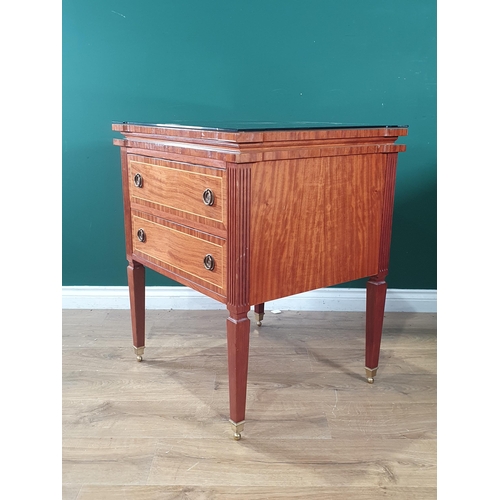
x=248 y=213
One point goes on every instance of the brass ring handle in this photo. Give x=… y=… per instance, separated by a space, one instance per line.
x=208 y=197
x=141 y=235
x=209 y=262
x=138 y=180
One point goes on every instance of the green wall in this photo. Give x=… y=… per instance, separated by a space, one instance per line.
x=272 y=60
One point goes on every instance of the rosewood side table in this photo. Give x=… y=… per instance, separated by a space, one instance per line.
x=250 y=213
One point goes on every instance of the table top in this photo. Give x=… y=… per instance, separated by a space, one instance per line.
x=254 y=126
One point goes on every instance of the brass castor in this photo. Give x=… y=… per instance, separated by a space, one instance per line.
x=370 y=373
x=259 y=317
x=139 y=351
x=237 y=428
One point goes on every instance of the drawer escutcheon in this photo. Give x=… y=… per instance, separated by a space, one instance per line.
x=209 y=262
x=141 y=235
x=138 y=180
x=208 y=197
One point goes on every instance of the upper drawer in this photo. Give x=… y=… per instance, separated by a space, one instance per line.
x=189 y=191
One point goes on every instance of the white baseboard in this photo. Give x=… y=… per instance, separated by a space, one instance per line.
x=179 y=297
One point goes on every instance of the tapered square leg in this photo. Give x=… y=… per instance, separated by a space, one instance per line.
x=259 y=313
x=238 y=339
x=375 y=305
x=137 y=293
x=376 y=288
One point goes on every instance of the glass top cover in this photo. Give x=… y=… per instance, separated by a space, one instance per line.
x=249 y=126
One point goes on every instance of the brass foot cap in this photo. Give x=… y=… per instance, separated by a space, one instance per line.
x=370 y=373
x=139 y=351
x=259 y=317
x=237 y=428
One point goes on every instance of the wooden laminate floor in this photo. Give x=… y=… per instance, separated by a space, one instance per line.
x=315 y=428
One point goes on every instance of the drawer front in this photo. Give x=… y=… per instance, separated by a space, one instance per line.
x=189 y=191
x=191 y=254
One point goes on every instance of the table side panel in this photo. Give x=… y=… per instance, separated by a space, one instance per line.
x=315 y=222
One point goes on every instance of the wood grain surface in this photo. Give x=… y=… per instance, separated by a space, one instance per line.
x=181 y=249
x=315 y=429
x=176 y=189
x=314 y=223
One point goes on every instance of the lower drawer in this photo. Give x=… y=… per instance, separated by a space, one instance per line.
x=193 y=255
